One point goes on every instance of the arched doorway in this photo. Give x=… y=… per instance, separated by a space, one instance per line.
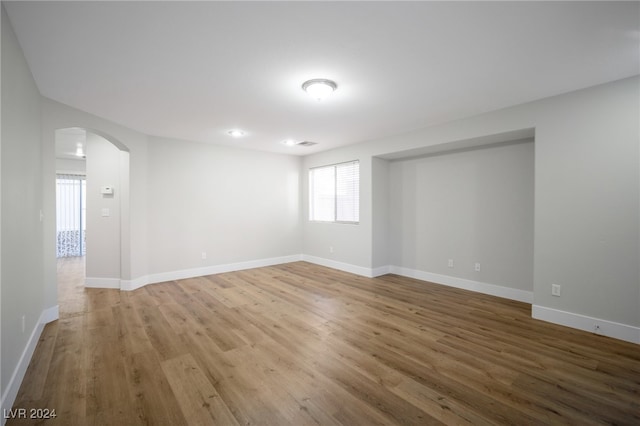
x=101 y=164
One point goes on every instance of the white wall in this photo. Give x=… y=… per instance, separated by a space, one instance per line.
x=469 y=206
x=69 y=166
x=351 y=243
x=22 y=282
x=587 y=203
x=103 y=232
x=233 y=204
x=587 y=200
x=380 y=215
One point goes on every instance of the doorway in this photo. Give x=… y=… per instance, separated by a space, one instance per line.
x=71 y=218
x=92 y=206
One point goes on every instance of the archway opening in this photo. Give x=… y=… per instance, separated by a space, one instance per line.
x=90 y=245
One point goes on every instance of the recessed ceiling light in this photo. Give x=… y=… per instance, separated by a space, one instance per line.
x=319 y=88
x=236 y=133
x=289 y=142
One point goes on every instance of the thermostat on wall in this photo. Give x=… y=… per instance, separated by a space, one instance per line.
x=106 y=190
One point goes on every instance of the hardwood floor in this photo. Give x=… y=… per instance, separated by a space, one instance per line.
x=300 y=344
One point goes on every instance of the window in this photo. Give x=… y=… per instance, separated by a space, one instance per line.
x=334 y=193
x=71 y=215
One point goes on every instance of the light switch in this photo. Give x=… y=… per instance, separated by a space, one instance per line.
x=106 y=213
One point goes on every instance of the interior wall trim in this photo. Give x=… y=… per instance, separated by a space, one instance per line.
x=346 y=267
x=599 y=326
x=465 y=284
x=8 y=398
x=92 y=282
x=129 y=285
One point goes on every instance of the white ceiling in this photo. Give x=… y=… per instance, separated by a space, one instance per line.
x=194 y=70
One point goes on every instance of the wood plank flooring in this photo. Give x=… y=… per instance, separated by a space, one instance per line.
x=300 y=344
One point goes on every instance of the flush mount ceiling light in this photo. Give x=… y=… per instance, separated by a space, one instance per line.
x=319 y=88
x=236 y=133
x=293 y=142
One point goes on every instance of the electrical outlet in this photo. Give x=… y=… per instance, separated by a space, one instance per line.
x=477 y=267
x=204 y=255
x=330 y=249
x=555 y=290
x=450 y=264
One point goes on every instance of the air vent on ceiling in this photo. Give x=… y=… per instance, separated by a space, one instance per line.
x=306 y=143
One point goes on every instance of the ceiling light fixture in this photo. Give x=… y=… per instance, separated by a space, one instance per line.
x=289 y=142
x=236 y=133
x=319 y=88
x=79 y=151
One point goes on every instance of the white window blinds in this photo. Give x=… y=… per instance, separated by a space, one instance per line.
x=334 y=193
x=71 y=217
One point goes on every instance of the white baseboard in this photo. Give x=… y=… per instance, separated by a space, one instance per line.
x=346 y=267
x=382 y=270
x=480 y=287
x=50 y=314
x=130 y=285
x=161 y=277
x=91 y=282
x=582 y=322
x=477 y=286
x=8 y=398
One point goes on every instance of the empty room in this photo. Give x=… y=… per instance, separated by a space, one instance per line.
x=320 y=213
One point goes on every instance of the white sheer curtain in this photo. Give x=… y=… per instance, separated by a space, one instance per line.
x=70 y=215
